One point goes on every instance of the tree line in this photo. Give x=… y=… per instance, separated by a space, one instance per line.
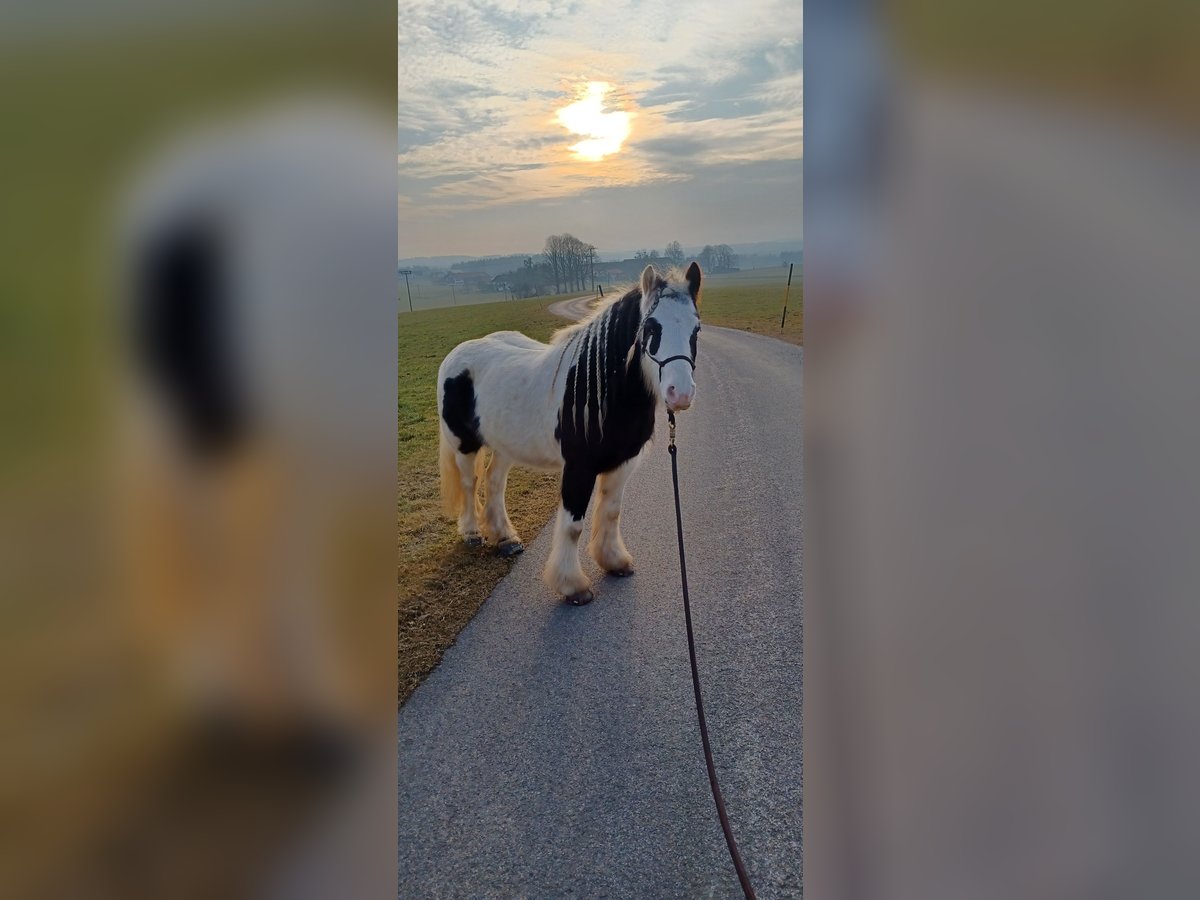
x=571 y=262
x=711 y=258
x=567 y=263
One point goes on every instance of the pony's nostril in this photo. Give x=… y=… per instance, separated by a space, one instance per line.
x=671 y=392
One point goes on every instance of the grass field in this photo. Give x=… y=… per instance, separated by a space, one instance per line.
x=753 y=301
x=426 y=295
x=442 y=582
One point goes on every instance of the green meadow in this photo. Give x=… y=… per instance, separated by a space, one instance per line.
x=441 y=581
x=753 y=301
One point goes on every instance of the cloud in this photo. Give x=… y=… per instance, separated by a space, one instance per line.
x=726 y=204
x=482 y=83
x=672 y=147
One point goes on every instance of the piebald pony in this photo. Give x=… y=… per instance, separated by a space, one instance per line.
x=583 y=404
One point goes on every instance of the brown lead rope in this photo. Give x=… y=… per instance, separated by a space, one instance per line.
x=742 y=874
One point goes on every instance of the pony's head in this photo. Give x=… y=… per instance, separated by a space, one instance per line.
x=670 y=324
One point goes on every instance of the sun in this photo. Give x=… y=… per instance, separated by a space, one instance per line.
x=603 y=132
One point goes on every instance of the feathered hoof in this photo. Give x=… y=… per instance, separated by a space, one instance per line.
x=473 y=540
x=510 y=548
x=623 y=572
x=580 y=598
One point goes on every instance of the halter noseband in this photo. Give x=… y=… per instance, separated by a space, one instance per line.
x=687 y=359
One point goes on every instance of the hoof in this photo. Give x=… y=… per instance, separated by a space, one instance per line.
x=473 y=540
x=623 y=572
x=510 y=548
x=580 y=598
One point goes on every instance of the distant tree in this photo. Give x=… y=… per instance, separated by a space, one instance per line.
x=570 y=261
x=706 y=257
x=529 y=280
x=674 y=253
x=654 y=255
x=724 y=257
x=641 y=255
x=554 y=257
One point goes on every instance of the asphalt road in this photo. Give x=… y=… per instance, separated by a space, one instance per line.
x=555 y=751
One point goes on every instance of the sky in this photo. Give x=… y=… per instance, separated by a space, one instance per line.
x=628 y=123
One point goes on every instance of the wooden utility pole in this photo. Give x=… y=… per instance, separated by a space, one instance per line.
x=406 y=273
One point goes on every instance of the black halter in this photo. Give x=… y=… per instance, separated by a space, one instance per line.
x=687 y=359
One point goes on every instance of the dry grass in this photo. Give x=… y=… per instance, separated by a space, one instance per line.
x=442 y=583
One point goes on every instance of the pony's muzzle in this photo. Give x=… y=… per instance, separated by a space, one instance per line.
x=676 y=385
x=679 y=398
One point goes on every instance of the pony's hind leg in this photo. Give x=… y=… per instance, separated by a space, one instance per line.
x=468 y=517
x=496 y=523
x=606 y=546
x=563 y=572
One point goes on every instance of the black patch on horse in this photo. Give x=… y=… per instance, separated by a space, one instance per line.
x=628 y=420
x=458 y=412
x=695 y=334
x=652 y=335
x=183 y=336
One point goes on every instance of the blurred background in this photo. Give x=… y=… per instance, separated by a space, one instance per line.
x=1001 y=373
x=197 y=462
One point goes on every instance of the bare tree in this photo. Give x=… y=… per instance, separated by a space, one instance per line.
x=555 y=258
x=707 y=257
x=674 y=253
x=573 y=255
x=570 y=261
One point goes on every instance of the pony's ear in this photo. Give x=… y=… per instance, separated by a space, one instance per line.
x=693 y=277
x=649 y=279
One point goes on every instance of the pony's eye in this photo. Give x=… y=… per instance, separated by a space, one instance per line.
x=652 y=335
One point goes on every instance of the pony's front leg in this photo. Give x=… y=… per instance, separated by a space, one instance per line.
x=495 y=516
x=563 y=572
x=606 y=545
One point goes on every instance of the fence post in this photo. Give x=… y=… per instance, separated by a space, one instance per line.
x=785 y=296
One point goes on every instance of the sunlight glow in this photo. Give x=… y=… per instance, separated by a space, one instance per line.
x=603 y=132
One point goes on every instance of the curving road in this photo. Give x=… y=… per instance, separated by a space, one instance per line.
x=575 y=308
x=555 y=752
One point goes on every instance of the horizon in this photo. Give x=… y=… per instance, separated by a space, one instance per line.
x=626 y=124
x=793 y=245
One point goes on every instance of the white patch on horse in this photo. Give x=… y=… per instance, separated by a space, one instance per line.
x=593 y=381
x=602 y=355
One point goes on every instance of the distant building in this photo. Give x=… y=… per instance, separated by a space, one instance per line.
x=476 y=280
x=626 y=269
